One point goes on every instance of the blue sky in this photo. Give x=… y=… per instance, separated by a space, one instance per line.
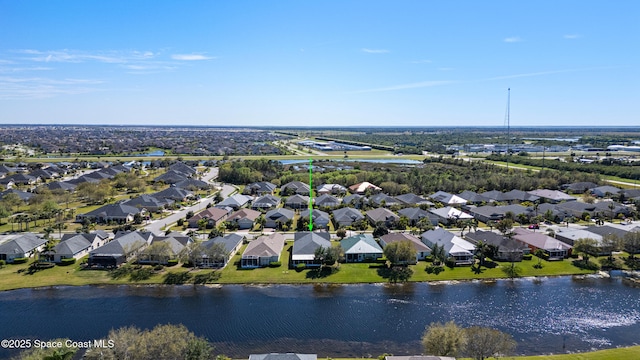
x=320 y=63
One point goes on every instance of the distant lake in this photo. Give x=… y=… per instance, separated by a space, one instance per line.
x=544 y=315
x=381 y=161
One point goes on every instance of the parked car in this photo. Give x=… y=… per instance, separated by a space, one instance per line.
x=534 y=226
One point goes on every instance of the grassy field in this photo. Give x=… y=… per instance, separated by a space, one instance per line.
x=18 y=276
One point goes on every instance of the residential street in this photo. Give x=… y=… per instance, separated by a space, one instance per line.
x=156 y=226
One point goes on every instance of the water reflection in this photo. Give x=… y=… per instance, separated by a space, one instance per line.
x=544 y=314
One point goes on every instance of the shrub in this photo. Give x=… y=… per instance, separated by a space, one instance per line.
x=177 y=278
x=527 y=257
x=2 y=263
x=434 y=269
x=180 y=222
x=120 y=272
x=275 y=264
x=206 y=278
x=141 y=274
x=21 y=260
x=158 y=267
x=172 y=262
x=301 y=267
x=450 y=262
x=66 y=262
x=587 y=265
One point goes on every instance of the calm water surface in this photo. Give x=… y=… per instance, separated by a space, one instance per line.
x=544 y=315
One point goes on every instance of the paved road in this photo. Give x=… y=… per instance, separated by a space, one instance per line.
x=156 y=226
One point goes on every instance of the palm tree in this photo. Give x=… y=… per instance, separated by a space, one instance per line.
x=482 y=249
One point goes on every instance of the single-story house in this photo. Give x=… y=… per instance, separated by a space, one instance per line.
x=447 y=199
x=416 y=214
x=265 y=202
x=277 y=217
x=149 y=202
x=174 y=193
x=260 y=188
x=579 y=187
x=449 y=215
x=454 y=246
x=284 y=356
x=355 y=200
x=297 y=202
x=605 y=191
x=182 y=168
x=382 y=199
x=327 y=201
x=244 y=218
x=175 y=243
x=235 y=201
x=193 y=184
x=121 y=249
x=363 y=187
x=556 y=249
x=22 y=246
x=295 y=187
x=231 y=244
x=320 y=218
x=346 y=216
x=119 y=212
x=422 y=250
x=381 y=215
x=360 y=248
x=473 y=197
x=263 y=251
x=552 y=196
x=507 y=249
x=78 y=245
x=305 y=245
x=214 y=216
x=332 y=189
x=171 y=177
x=411 y=199
x=496 y=213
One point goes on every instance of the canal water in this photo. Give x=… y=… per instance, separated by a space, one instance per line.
x=545 y=315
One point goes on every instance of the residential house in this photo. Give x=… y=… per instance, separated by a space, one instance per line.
x=327 y=201
x=176 y=242
x=355 y=200
x=419 y=357
x=552 y=196
x=454 y=246
x=552 y=211
x=266 y=202
x=507 y=249
x=22 y=246
x=297 y=202
x=422 y=250
x=182 y=168
x=450 y=215
x=263 y=251
x=235 y=201
x=295 y=187
x=381 y=215
x=496 y=213
x=411 y=199
x=276 y=218
x=119 y=212
x=473 y=197
x=121 y=249
x=77 y=246
x=579 y=187
x=23 y=195
x=416 y=214
x=244 y=218
x=213 y=215
x=384 y=200
x=556 y=249
x=513 y=196
x=346 y=216
x=61 y=186
x=193 y=184
x=320 y=218
x=331 y=189
x=570 y=235
x=149 y=202
x=260 y=188
x=605 y=191
x=364 y=187
x=231 y=243
x=448 y=199
x=18 y=179
x=305 y=245
x=171 y=177
x=174 y=193
x=360 y=248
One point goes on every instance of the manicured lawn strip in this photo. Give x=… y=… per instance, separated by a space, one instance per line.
x=632 y=352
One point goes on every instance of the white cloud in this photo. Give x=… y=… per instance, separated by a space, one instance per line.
x=375 y=51
x=191 y=57
x=38 y=88
x=571 y=36
x=421 y=84
x=513 y=39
